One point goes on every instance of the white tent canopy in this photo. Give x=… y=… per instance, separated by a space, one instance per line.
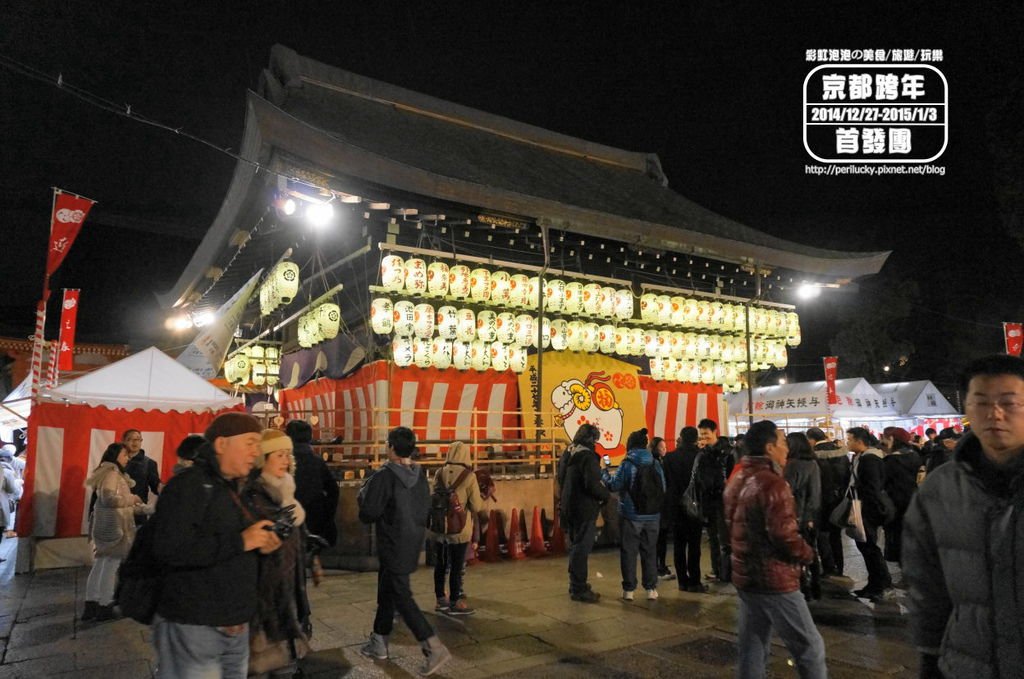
x=150 y=380
x=920 y=398
x=857 y=399
x=15 y=408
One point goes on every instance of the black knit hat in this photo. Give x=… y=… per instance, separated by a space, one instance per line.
x=189 y=445
x=232 y=424
x=299 y=431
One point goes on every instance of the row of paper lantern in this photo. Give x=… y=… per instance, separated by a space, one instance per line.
x=279 y=287
x=241 y=369
x=405 y=319
x=519 y=291
x=443 y=354
x=322 y=323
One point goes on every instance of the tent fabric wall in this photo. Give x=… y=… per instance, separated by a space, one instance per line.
x=66 y=442
x=670 y=406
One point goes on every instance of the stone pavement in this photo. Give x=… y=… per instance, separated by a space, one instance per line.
x=525 y=623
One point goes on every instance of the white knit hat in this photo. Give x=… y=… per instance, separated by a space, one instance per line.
x=275 y=439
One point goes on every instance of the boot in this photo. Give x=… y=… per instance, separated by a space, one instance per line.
x=376 y=647
x=91 y=608
x=437 y=654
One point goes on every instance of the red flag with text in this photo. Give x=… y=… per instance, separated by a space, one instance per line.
x=69 y=213
x=68 y=319
x=1013 y=335
x=831 y=364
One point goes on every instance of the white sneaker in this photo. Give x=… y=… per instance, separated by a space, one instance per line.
x=627 y=595
x=652 y=594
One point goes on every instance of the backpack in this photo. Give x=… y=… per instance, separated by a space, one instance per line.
x=447 y=515
x=646 y=491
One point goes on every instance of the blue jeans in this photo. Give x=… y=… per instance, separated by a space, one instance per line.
x=199 y=651
x=789 y=615
x=642 y=537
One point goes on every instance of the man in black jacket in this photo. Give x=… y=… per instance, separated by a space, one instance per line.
x=315 y=487
x=209 y=543
x=714 y=469
x=581 y=495
x=679 y=468
x=396 y=499
x=835 y=477
x=869 y=482
x=142 y=469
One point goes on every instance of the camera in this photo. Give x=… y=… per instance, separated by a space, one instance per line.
x=284 y=522
x=607 y=459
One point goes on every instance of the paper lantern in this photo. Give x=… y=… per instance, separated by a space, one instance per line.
x=554 y=295
x=269 y=299
x=703 y=346
x=622 y=337
x=665 y=343
x=707 y=372
x=286 y=281
x=415 y=275
x=574 y=336
x=636 y=341
x=259 y=374
x=273 y=373
x=479 y=355
x=649 y=307
x=328 y=315
x=678 y=318
x=657 y=368
x=423 y=321
x=447 y=322
x=792 y=329
x=781 y=356
x=382 y=318
x=689 y=345
x=650 y=343
x=717 y=316
x=719 y=372
x=703 y=319
x=480 y=285
x=236 y=369
x=437 y=278
x=545 y=334
x=501 y=288
x=458 y=281
x=606 y=302
x=392 y=273
x=505 y=327
x=715 y=347
x=677 y=345
x=421 y=352
x=309 y=331
x=272 y=354
x=525 y=333
x=532 y=290
x=465 y=328
x=573 y=298
x=559 y=334
x=591 y=331
x=487 y=326
x=669 y=369
x=519 y=287
x=664 y=310
x=460 y=355
x=440 y=353
x=499 y=356
x=255 y=351
x=606 y=339
x=517 y=359
x=623 y=304
x=690 y=312
x=591 y=299
x=405 y=318
x=402 y=351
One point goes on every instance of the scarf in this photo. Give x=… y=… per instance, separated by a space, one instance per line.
x=282 y=491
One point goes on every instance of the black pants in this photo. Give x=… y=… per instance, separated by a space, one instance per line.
x=662 y=546
x=394 y=593
x=449 y=558
x=718 y=537
x=686 y=545
x=581 y=543
x=878 y=573
x=830 y=548
x=811 y=584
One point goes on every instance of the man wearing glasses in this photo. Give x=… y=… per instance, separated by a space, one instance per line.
x=142 y=469
x=963 y=536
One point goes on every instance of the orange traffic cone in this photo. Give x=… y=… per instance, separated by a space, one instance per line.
x=492 y=549
x=537 y=546
x=557 y=537
x=515 y=542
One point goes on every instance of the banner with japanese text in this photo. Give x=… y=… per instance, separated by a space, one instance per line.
x=1013 y=333
x=831 y=366
x=69 y=213
x=68 y=321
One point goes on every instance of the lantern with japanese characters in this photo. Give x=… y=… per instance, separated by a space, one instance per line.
x=423 y=321
x=649 y=307
x=717 y=316
x=479 y=355
x=392 y=273
x=286 y=281
x=532 y=290
x=665 y=343
x=487 y=326
x=703 y=346
x=505 y=327
x=519 y=288
x=606 y=302
x=622 y=340
x=447 y=322
x=792 y=329
x=664 y=303
x=269 y=299
x=525 y=332
x=559 y=334
x=690 y=312
x=574 y=336
x=650 y=342
x=437 y=278
x=382 y=319
x=499 y=356
x=678 y=311
x=272 y=354
x=689 y=345
x=517 y=359
x=501 y=288
x=461 y=355
x=273 y=373
x=405 y=318
x=573 y=298
x=545 y=334
x=657 y=366
x=677 y=344
x=636 y=342
x=328 y=316
x=591 y=299
x=590 y=336
x=415 y=275
x=606 y=339
x=623 y=304
x=309 y=331
x=458 y=281
x=236 y=369
x=421 y=352
x=440 y=353
x=669 y=368
x=480 y=285
x=703 y=321
x=402 y=351
x=465 y=328
x=554 y=291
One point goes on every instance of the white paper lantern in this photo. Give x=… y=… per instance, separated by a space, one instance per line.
x=649 y=307
x=591 y=299
x=461 y=355
x=421 y=352
x=678 y=317
x=591 y=332
x=573 y=298
x=392 y=273
x=517 y=359
x=657 y=369
x=440 y=353
x=480 y=285
x=269 y=299
x=525 y=333
x=689 y=345
x=574 y=336
x=650 y=343
x=717 y=316
x=447 y=322
x=664 y=310
x=554 y=292
x=545 y=334
x=792 y=329
x=255 y=351
x=636 y=341
x=677 y=344
x=382 y=319
x=309 y=329
x=501 y=288
x=665 y=343
x=703 y=314
x=669 y=369
x=458 y=281
x=272 y=354
x=487 y=326
x=519 y=287
x=532 y=290
x=622 y=336
x=623 y=304
x=479 y=355
x=405 y=318
x=465 y=329
x=559 y=334
x=781 y=357
x=423 y=321
x=328 y=315
x=415 y=275
x=690 y=312
x=606 y=339
x=606 y=302
x=402 y=351
x=437 y=278
x=236 y=369
x=286 y=280
x=499 y=356
x=273 y=373
x=719 y=371
x=707 y=372
x=703 y=346
x=505 y=327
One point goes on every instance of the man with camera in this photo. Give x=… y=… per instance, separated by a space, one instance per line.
x=208 y=543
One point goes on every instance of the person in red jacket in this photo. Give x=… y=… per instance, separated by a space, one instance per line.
x=767 y=553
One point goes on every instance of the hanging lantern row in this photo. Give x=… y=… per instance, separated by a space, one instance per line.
x=320 y=324
x=518 y=291
x=279 y=287
x=443 y=354
x=242 y=368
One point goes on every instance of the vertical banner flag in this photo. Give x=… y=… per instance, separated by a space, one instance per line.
x=69 y=213
x=831 y=363
x=1013 y=336
x=206 y=353
x=68 y=320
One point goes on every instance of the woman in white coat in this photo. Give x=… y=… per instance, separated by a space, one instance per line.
x=112 y=529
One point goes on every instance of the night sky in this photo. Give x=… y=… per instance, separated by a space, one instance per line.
x=713 y=88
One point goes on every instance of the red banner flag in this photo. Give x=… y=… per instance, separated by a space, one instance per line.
x=68 y=319
x=831 y=364
x=1013 y=336
x=69 y=213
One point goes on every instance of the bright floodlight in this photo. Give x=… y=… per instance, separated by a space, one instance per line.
x=204 y=318
x=782 y=380
x=178 y=323
x=319 y=214
x=288 y=206
x=808 y=291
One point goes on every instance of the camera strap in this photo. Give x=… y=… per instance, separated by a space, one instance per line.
x=245 y=512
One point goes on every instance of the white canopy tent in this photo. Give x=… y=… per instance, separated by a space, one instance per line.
x=15 y=408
